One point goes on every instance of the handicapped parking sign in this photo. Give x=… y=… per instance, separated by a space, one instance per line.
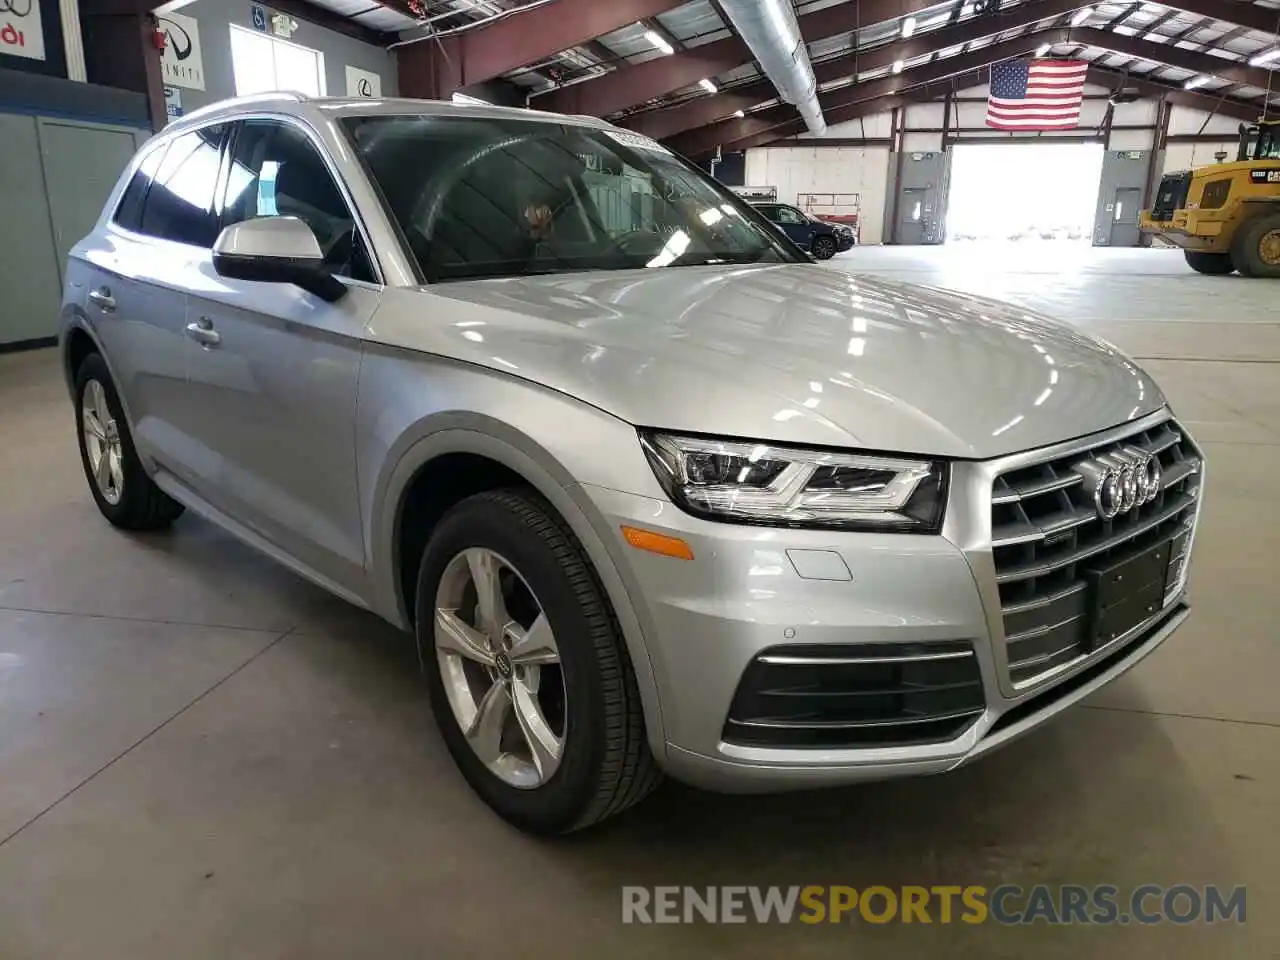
x=259 y=17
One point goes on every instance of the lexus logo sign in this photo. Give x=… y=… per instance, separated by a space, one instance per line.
x=363 y=83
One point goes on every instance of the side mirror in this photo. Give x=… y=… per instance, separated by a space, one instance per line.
x=276 y=250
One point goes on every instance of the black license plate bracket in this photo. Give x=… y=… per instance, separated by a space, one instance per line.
x=1124 y=593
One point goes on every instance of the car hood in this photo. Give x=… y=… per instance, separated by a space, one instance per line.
x=791 y=353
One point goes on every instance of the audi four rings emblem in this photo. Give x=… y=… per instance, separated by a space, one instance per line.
x=1121 y=480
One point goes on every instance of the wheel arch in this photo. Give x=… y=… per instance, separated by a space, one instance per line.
x=518 y=456
x=76 y=340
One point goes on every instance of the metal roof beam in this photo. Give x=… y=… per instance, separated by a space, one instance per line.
x=1233 y=11
x=1227 y=107
x=635 y=84
x=700 y=111
x=836 y=103
x=630 y=85
x=775 y=123
x=436 y=67
x=731 y=130
x=1236 y=72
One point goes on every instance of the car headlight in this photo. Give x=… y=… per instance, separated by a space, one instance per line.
x=733 y=481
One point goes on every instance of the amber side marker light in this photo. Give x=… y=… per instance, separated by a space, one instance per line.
x=657 y=543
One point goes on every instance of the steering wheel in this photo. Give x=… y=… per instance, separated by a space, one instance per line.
x=639 y=242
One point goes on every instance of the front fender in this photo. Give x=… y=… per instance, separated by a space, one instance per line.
x=74 y=320
x=388 y=470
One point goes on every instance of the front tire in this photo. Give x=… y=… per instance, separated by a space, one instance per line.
x=530 y=681
x=823 y=248
x=125 y=495
x=1214 y=264
x=1256 y=250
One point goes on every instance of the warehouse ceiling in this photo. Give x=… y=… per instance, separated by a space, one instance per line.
x=677 y=71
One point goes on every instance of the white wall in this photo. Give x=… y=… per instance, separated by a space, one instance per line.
x=860 y=170
x=878 y=126
x=215 y=17
x=1185 y=156
x=1186 y=120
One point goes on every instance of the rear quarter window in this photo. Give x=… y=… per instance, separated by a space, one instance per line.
x=129 y=211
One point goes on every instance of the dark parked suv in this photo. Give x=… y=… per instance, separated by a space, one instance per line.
x=820 y=238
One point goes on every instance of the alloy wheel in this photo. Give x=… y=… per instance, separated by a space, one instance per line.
x=102 y=443
x=1269 y=248
x=500 y=668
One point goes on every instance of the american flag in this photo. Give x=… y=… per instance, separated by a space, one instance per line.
x=1036 y=94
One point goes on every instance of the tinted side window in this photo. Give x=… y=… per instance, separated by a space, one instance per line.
x=277 y=171
x=129 y=212
x=788 y=215
x=769 y=213
x=179 y=205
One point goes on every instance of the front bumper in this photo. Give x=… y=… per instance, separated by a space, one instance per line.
x=1199 y=231
x=751 y=589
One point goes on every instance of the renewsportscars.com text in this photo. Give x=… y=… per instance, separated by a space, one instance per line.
x=1006 y=904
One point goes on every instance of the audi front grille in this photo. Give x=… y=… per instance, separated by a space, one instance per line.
x=1072 y=582
x=857 y=695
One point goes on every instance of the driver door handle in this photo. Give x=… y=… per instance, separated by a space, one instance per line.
x=202 y=332
x=103 y=298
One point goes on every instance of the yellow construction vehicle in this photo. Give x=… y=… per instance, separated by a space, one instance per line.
x=1226 y=216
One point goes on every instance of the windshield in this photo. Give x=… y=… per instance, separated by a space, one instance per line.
x=1260 y=142
x=493 y=197
x=1268 y=145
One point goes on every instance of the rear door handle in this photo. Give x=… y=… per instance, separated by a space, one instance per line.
x=202 y=332
x=103 y=298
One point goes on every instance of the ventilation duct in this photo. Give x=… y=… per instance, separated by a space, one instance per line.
x=769 y=28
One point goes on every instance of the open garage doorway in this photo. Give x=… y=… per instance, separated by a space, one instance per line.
x=1024 y=192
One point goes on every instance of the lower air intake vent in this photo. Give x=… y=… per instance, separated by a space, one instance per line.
x=857 y=695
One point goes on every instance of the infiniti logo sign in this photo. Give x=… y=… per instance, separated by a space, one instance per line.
x=181 y=64
x=176 y=38
x=1121 y=480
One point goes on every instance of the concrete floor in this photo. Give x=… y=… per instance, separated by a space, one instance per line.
x=202 y=756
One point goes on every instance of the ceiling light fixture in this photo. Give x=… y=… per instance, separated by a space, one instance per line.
x=707 y=85
x=908 y=27
x=897 y=66
x=1081 y=15
x=659 y=41
x=1044 y=48
x=1265 y=58
x=1196 y=82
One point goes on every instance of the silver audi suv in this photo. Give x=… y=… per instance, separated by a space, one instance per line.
x=653 y=491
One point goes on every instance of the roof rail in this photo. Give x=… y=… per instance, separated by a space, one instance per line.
x=251 y=98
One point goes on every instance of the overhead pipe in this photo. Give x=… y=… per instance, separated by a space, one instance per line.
x=770 y=30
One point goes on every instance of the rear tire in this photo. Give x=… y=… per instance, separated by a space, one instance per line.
x=1214 y=264
x=823 y=248
x=125 y=495
x=1256 y=250
x=603 y=764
